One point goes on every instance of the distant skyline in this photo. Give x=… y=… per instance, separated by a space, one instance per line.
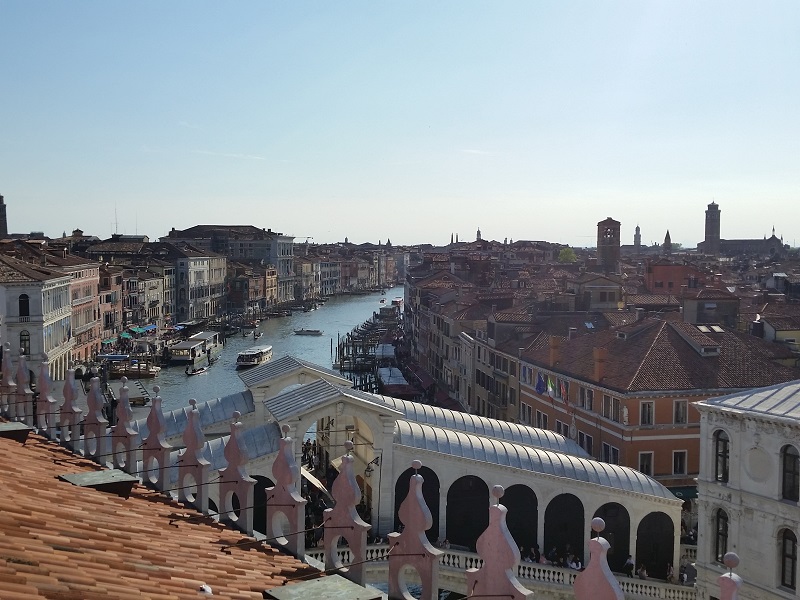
x=410 y=120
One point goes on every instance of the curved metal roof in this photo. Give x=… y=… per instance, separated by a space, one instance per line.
x=461 y=421
x=218 y=410
x=499 y=452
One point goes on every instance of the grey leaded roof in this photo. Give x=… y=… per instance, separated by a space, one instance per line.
x=780 y=400
x=218 y=410
x=256 y=442
x=276 y=368
x=453 y=419
x=527 y=458
x=303 y=398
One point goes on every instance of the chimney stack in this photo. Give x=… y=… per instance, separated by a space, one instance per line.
x=555 y=350
x=600 y=358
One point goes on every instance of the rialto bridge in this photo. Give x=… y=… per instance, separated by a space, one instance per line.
x=553 y=488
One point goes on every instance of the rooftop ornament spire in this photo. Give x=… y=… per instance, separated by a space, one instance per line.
x=597 y=582
x=124 y=438
x=46 y=405
x=22 y=408
x=343 y=521
x=235 y=483
x=411 y=546
x=95 y=439
x=496 y=577
x=285 y=499
x=193 y=468
x=155 y=449
x=8 y=387
x=70 y=414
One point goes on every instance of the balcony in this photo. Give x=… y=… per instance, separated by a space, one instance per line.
x=84 y=300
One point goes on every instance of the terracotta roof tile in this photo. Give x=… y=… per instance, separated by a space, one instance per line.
x=64 y=542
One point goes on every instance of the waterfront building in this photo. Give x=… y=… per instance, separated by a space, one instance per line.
x=111 y=302
x=246 y=288
x=307 y=278
x=37 y=314
x=85 y=283
x=329 y=276
x=749 y=489
x=245 y=243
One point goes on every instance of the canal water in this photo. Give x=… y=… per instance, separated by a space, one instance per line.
x=337 y=317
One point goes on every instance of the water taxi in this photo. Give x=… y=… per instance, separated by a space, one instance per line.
x=308 y=331
x=253 y=356
x=205 y=345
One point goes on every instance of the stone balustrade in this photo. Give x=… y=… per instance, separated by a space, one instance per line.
x=454 y=563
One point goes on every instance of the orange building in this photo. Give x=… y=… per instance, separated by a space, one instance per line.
x=627 y=395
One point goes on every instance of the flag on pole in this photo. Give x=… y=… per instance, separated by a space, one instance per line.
x=551 y=389
x=541 y=387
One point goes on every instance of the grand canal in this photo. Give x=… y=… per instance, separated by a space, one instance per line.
x=336 y=317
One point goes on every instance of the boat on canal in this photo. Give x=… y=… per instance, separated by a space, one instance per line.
x=305 y=331
x=254 y=356
x=205 y=345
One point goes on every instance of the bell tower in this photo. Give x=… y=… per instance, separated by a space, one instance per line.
x=3 y=221
x=608 y=244
x=711 y=245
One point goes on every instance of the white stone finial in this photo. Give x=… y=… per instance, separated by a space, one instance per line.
x=348 y=446
x=730 y=582
x=598 y=525
x=156 y=389
x=236 y=416
x=416 y=465
x=285 y=429
x=497 y=492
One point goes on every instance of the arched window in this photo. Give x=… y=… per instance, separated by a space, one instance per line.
x=788 y=559
x=790 y=459
x=25 y=342
x=24 y=305
x=722 y=451
x=721 y=537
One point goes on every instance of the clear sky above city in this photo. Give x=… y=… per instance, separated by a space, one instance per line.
x=402 y=120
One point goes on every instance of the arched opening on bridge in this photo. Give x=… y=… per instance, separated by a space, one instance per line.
x=617 y=533
x=564 y=526
x=430 y=493
x=260 y=503
x=655 y=543
x=467 y=510
x=523 y=514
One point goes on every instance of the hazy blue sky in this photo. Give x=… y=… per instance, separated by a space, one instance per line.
x=406 y=120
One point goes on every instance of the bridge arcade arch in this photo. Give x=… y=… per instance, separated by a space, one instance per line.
x=467 y=510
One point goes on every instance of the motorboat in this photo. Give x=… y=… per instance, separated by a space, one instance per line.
x=254 y=356
x=305 y=331
x=198 y=371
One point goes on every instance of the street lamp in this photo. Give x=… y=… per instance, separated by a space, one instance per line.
x=369 y=470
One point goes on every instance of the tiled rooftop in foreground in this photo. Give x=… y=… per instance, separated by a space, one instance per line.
x=63 y=542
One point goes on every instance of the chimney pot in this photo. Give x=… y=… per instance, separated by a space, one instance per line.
x=600 y=356
x=555 y=350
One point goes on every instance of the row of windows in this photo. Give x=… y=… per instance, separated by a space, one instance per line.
x=787 y=549
x=790 y=465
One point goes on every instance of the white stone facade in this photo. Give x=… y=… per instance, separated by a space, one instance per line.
x=748 y=492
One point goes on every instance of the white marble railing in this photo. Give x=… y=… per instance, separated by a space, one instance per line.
x=454 y=563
